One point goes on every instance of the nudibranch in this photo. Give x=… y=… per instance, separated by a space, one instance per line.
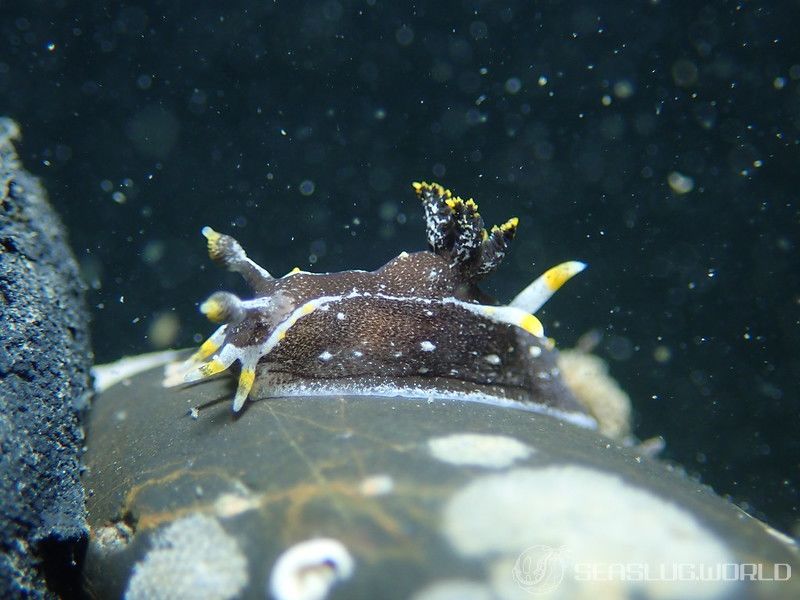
x=418 y=326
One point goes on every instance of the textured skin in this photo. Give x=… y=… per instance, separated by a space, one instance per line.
x=44 y=366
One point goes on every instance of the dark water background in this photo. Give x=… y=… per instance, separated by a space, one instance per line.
x=656 y=140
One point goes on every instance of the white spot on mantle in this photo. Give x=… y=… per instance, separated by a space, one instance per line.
x=326 y=356
x=340 y=316
x=492 y=359
x=308 y=570
x=427 y=346
x=479 y=450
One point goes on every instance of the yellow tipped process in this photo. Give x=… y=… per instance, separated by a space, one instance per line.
x=213 y=309
x=532 y=325
x=246 y=379
x=206 y=349
x=214 y=238
x=209 y=369
x=510 y=226
x=422 y=186
x=542 y=289
x=559 y=275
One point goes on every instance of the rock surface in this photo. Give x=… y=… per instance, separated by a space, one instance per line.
x=364 y=497
x=44 y=374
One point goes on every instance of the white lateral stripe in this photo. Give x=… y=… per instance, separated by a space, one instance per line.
x=533 y=297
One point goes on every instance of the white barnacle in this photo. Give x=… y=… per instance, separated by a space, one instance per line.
x=308 y=570
x=427 y=346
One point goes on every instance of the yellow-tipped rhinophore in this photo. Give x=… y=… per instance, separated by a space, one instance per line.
x=213 y=238
x=543 y=287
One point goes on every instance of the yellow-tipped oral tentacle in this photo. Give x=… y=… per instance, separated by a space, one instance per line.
x=207 y=348
x=216 y=365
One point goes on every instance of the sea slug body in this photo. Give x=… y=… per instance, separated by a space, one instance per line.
x=419 y=326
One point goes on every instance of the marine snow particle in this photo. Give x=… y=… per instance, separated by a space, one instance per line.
x=478 y=450
x=680 y=183
x=308 y=570
x=192 y=557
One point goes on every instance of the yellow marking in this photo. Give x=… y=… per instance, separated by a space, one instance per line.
x=422 y=186
x=472 y=205
x=308 y=308
x=282 y=335
x=213 y=238
x=206 y=349
x=532 y=325
x=293 y=271
x=246 y=379
x=484 y=235
x=213 y=310
x=210 y=234
x=212 y=368
x=511 y=224
x=557 y=276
